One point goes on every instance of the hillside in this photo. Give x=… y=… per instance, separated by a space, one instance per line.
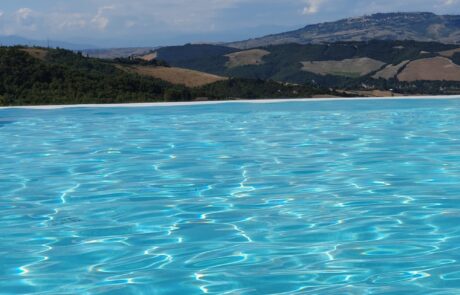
x=111 y=53
x=189 y=78
x=31 y=76
x=382 y=26
x=408 y=66
x=200 y=57
x=41 y=76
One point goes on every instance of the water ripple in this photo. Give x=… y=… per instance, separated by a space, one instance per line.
x=291 y=198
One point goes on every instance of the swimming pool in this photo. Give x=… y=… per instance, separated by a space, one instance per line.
x=331 y=197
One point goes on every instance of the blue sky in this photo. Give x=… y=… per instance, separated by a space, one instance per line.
x=110 y=23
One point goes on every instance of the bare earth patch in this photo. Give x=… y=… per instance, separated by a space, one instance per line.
x=118 y=52
x=324 y=96
x=449 y=53
x=431 y=69
x=189 y=78
x=378 y=93
x=149 y=57
x=390 y=71
x=36 y=52
x=355 y=67
x=245 y=58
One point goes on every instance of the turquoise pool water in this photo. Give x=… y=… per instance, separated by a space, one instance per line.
x=333 y=197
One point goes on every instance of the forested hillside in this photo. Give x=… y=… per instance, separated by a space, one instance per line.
x=403 y=66
x=64 y=77
x=31 y=76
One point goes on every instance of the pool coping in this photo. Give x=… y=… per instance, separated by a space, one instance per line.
x=212 y=102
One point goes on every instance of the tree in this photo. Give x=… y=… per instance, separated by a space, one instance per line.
x=177 y=93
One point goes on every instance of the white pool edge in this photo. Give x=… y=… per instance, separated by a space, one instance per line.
x=256 y=101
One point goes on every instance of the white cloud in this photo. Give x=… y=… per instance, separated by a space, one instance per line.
x=70 y=21
x=179 y=15
x=113 y=18
x=22 y=14
x=153 y=21
x=25 y=19
x=101 y=20
x=312 y=6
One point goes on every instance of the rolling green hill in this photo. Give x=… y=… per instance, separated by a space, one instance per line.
x=375 y=64
x=31 y=76
x=65 y=77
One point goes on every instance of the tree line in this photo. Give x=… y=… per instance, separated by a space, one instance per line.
x=65 y=77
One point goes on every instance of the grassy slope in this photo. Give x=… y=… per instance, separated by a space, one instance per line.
x=189 y=78
x=245 y=58
x=431 y=69
x=30 y=77
x=284 y=63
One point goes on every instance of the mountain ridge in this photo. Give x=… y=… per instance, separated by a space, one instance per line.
x=417 y=26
